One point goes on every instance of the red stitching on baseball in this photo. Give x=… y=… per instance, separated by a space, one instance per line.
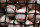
x=32 y=4
x=11 y=8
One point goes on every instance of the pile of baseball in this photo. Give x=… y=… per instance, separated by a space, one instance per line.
x=19 y=15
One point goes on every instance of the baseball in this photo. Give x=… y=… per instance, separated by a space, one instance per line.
x=38 y=1
x=31 y=6
x=31 y=16
x=3 y=1
x=38 y=18
x=2 y=19
x=25 y=8
x=12 y=25
x=21 y=11
x=11 y=10
x=20 y=17
x=28 y=22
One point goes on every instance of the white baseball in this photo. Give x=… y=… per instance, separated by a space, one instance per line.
x=31 y=6
x=21 y=11
x=38 y=1
x=20 y=17
x=38 y=18
x=11 y=9
x=3 y=1
x=28 y=22
x=25 y=8
x=31 y=16
x=3 y=20
x=11 y=25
